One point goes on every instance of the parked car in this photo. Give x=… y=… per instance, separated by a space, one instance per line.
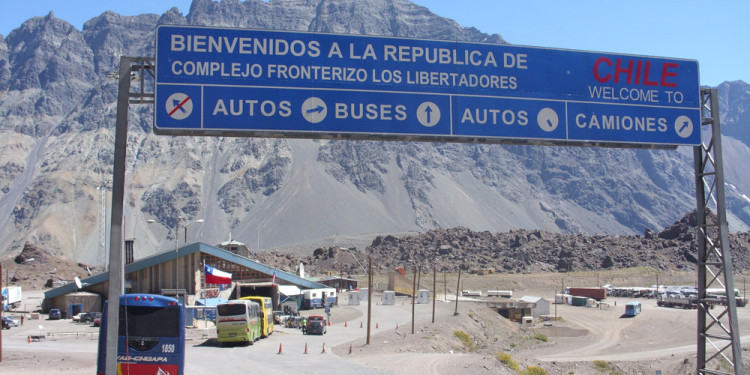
x=316 y=317
x=10 y=322
x=279 y=317
x=96 y=319
x=316 y=325
x=54 y=314
x=85 y=317
x=80 y=317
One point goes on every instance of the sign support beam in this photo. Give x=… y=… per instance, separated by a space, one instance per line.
x=130 y=68
x=721 y=329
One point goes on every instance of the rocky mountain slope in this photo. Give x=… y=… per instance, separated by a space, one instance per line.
x=57 y=115
x=516 y=251
x=448 y=250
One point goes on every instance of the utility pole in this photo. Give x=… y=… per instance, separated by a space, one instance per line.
x=413 y=297
x=369 y=298
x=434 y=293
x=458 y=286
x=563 y=285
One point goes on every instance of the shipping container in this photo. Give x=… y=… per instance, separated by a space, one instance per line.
x=595 y=293
x=580 y=301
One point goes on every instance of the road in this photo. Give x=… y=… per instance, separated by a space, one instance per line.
x=73 y=348
x=204 y=356
x=656 y=333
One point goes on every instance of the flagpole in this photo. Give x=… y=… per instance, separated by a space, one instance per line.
x=205 y=297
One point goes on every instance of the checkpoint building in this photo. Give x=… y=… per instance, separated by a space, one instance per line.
x=179 y=274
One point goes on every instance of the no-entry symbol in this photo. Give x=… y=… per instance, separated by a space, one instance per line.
x=179 y=106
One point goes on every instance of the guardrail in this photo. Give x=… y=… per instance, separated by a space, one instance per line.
x=55 y=335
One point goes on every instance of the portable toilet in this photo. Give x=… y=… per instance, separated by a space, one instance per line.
x=363 y=294
x=354 y=298
x=423 y=296
x=389 y=297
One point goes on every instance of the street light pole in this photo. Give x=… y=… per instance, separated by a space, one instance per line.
x=177 y=248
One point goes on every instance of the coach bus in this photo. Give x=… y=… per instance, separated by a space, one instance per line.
x=238 y=321
x=266 y=313
x=151 y=336
x=632 y=308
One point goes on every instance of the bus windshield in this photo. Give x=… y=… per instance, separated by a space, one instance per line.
x=230 y=309
x=146 y=321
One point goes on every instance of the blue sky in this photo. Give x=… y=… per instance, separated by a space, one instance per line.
x=714 y=33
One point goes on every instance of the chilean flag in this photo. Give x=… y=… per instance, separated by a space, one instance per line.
x=215 y=276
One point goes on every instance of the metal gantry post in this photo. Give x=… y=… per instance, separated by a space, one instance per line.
x=130 y=68
x=718 y=333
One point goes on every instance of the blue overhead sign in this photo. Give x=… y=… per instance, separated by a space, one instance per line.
x=216 y=81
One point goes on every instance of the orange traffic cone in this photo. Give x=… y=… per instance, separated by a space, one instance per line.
x=306 y=352
x=329 y=323
x=29 y=339
x=346 y=324
x=281 y=351
x=324 y=349
x=350 y=348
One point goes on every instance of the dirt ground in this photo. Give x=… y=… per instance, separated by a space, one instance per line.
x=583 y=341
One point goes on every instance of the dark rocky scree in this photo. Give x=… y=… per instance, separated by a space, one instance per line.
x=447 y=250
x=34 y=267
x=518 y=251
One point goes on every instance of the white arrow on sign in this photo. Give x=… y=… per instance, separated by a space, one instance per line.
x=179 y=106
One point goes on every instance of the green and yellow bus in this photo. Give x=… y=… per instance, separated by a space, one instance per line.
x=238 y=321
x=266 y=313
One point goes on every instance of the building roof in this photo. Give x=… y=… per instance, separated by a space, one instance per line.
x=289 y=290
x=337 y=278
x=232 y=242
x=169 y=255
x=531 y=299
